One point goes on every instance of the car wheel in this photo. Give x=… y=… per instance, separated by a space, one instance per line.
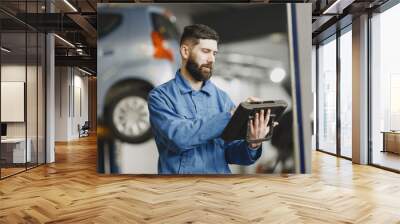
x=128 y=116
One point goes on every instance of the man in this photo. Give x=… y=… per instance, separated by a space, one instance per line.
x=189 y=113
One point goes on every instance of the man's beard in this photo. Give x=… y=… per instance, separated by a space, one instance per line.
x=196 y=71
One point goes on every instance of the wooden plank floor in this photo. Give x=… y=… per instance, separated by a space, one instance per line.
x=70 y=191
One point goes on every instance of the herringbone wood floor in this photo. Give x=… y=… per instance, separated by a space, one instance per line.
x=70 y=191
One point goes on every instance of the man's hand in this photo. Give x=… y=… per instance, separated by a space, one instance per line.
x=259 y=127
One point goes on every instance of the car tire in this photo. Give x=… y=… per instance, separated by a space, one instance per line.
x=127 y=115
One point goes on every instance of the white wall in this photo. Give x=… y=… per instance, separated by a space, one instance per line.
x=61 y=103
x=33 y=126
x=16 y=73
x=71 y=94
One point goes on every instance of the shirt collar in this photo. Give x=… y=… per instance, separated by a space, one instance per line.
x=185 y=87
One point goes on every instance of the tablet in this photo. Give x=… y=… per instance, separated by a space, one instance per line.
x=238 y=127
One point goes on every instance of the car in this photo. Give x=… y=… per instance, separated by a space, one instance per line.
x=137 y=50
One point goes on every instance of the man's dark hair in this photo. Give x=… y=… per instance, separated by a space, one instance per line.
x=198 y=31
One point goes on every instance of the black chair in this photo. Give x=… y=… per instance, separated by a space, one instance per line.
x=84 y=130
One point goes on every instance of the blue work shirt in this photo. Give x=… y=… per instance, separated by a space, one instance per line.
x=187 y=126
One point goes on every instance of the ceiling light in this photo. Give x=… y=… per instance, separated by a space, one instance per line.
x=277 y=75
x=70 y=5
x=337 y=7
x=86 y=72
x=330 y=7
x=65 y=41
x=5 y=50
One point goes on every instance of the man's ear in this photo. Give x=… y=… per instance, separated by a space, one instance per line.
x=185 y=51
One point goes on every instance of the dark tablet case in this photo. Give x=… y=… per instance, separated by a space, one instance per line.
x=237 y=126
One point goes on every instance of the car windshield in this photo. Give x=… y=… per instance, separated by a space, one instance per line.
x=164 y=26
